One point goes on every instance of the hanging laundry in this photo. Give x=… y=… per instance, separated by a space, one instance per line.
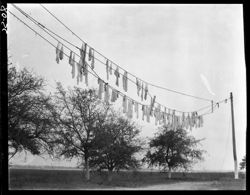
x=201 y=118
x=130 y=109
x=106 y=97
x=124 y=104
x=143 y=112
x=93 y=60
x=86 y=74
x=137 y=110
x=142 y=92
x=110 y=69
x=146 y=91
x=58 y=52
x=61 y=53
x=113 y=95
x=100 y=90
x=138 y=84
x=125 y=81
x=212 y=104
x=152 y=104
x=148 y=114
x=90 y=53
x=73 y=66
x=80 y=70
x=117 y=76
x=70 y=58
x=107 y=68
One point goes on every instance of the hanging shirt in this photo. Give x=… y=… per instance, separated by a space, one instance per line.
x=125 y=81
x=124 y=104
x=107 y=68
x=146 y=91
x=61 y=53
x=138 y=84
x=58 y=52
x=100 y=91
x=93 y=60
x=117 y=76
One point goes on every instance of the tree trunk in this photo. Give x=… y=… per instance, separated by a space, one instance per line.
x=87 y=169
x=110 y=175
x=169 y=173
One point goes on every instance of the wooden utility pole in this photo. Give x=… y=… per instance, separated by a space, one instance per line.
x=236 y=175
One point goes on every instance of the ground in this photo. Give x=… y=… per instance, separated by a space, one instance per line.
x=20 y=178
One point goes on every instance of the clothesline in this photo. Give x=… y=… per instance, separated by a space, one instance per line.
x=194 y=121
x=46 y=30
x=40 y=25
x=181 y=93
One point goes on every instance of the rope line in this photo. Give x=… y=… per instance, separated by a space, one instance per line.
x=174 y=91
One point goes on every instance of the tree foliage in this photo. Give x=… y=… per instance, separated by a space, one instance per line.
x=243 y=163
x=28 y=122
x=173 y=149
x=116 y=144
x=77 y=114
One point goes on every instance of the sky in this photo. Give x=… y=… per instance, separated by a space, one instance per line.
x=194 y=49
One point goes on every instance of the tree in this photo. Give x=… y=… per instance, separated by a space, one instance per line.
x=173 y=149
x=116 y=144
x=243 y=163
x=77 y=114
x=28 y=123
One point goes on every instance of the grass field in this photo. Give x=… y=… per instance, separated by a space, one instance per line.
x=74 y=179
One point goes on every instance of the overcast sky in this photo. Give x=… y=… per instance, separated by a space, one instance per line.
x=195 y=49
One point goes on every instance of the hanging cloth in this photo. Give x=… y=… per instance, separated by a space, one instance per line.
x=152 y=104
x=61 y=53
x=93 y=60
x=142 y=92
x=138 y=84
x=83 y=56
x=130 y=109
x=143 y=112
x=58 y=52
x=125 y=81
x=106 y=97
x=110 y=69
x=136 y=110
x=107 y=68
x=90 y=53
x=113 y=95
x=80 y=70
x=100 y=91
x=117 y=76
x=124 y=104
x=148 y=114
x=70 y=58
x=146 y=91
x=73 y=66
x=86 y=74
